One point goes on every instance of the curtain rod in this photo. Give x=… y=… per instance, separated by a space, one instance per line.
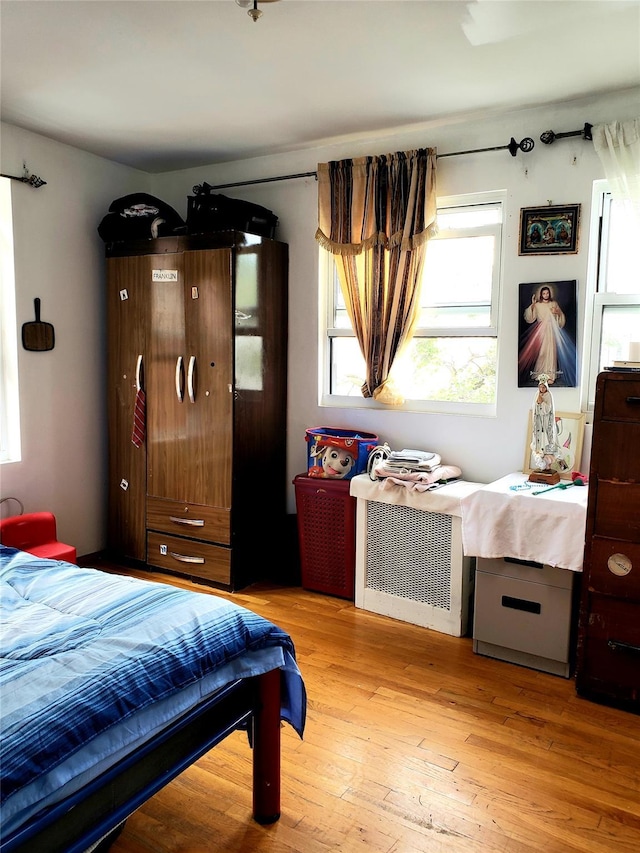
x=33 y=180
x=549 y=136
x=525 y=145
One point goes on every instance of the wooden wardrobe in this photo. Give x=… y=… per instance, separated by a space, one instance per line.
x=199 y=325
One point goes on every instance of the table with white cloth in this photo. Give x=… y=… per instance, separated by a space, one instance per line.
x=528 y=541
x=409 y=559
x=498 y=521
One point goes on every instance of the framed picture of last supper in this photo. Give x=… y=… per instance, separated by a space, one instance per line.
x=549 y=230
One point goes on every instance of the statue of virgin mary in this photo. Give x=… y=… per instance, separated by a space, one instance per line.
x=545 y=449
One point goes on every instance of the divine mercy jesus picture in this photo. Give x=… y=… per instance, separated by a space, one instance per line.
x=547 y=334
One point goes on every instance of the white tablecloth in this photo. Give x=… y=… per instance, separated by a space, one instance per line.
x=445 y=499
x=499 y=522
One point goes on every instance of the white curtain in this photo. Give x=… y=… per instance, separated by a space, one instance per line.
x=618 y=147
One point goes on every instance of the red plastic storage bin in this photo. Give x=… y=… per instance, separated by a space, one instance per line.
x=327 y=535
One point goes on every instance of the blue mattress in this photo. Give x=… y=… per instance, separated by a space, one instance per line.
x=94 y=664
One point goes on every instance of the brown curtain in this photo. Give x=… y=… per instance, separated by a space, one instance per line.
x=375 y=215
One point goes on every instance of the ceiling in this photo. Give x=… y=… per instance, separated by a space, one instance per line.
x=169 y=84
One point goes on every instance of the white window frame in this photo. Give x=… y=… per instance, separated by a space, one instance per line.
x=326 y=330
x=596 y=301
x=10 y=450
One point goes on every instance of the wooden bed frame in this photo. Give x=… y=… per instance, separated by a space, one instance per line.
x=101 y=807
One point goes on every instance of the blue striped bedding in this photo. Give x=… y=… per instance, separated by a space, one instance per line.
x=93 y=664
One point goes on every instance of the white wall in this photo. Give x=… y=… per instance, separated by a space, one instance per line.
x=562 y=173
x=60 y=258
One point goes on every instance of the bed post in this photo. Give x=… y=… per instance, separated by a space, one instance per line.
x=266 y=749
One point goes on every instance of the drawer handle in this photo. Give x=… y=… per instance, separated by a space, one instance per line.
x=519 y=562
x=633 y=401
x=521 y=604
x=184 y=558
x=190 y=522
x=616 y=646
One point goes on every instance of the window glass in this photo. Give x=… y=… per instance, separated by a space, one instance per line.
x=619 y=272
x=456 y=289
x=9 y=398
x=612 y=317
x=620 y=326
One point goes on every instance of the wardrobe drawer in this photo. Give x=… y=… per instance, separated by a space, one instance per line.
x=615 y=568
x=189 y=557
x=621 y=401
x=213 y=524
x=617 y=510
x=609 y=659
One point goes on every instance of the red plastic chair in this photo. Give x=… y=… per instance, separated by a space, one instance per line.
x=35 y=532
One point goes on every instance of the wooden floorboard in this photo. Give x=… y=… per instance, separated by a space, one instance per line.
x=413 y=744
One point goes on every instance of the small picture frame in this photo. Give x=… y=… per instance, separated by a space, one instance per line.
x=570 y=438
x=551 y=230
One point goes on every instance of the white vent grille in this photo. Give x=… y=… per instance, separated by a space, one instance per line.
x=410 y=566
x=409 y=554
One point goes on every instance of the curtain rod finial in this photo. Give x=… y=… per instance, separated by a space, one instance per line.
x=32 y=180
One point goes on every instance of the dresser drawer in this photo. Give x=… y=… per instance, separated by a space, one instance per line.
x=212 y=524
x=189 y=557
x=617 y=509
x=616 y=454
x=609 y=654
x=621 y=401
x=615 y=568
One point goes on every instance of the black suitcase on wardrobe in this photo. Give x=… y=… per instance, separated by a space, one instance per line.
x=207 y=211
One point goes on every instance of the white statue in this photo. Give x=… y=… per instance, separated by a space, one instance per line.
x=545 y=449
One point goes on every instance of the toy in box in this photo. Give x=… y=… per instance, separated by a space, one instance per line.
x=338 y=454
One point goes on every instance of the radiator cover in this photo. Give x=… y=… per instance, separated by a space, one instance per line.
x=410 y=566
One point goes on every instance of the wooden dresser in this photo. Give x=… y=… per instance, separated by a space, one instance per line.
x=608 y=655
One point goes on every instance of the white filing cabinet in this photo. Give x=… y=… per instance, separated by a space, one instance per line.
x=523 y=614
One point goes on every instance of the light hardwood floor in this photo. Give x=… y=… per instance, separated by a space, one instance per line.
x=413 y=744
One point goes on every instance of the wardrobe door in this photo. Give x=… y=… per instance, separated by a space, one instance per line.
x=210 y=388
x=166 y=409
x=127 y=291
x=190 y=386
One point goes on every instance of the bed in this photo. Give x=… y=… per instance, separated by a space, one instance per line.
x=110 y=686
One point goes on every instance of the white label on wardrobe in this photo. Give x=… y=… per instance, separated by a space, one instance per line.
x=164 y=275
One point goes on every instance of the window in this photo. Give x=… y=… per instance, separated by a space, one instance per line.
x=612 y=318
x=9 y=402
x=450 y=364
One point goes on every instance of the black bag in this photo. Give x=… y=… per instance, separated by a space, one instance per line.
x=210 y=212
x=140 y=216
